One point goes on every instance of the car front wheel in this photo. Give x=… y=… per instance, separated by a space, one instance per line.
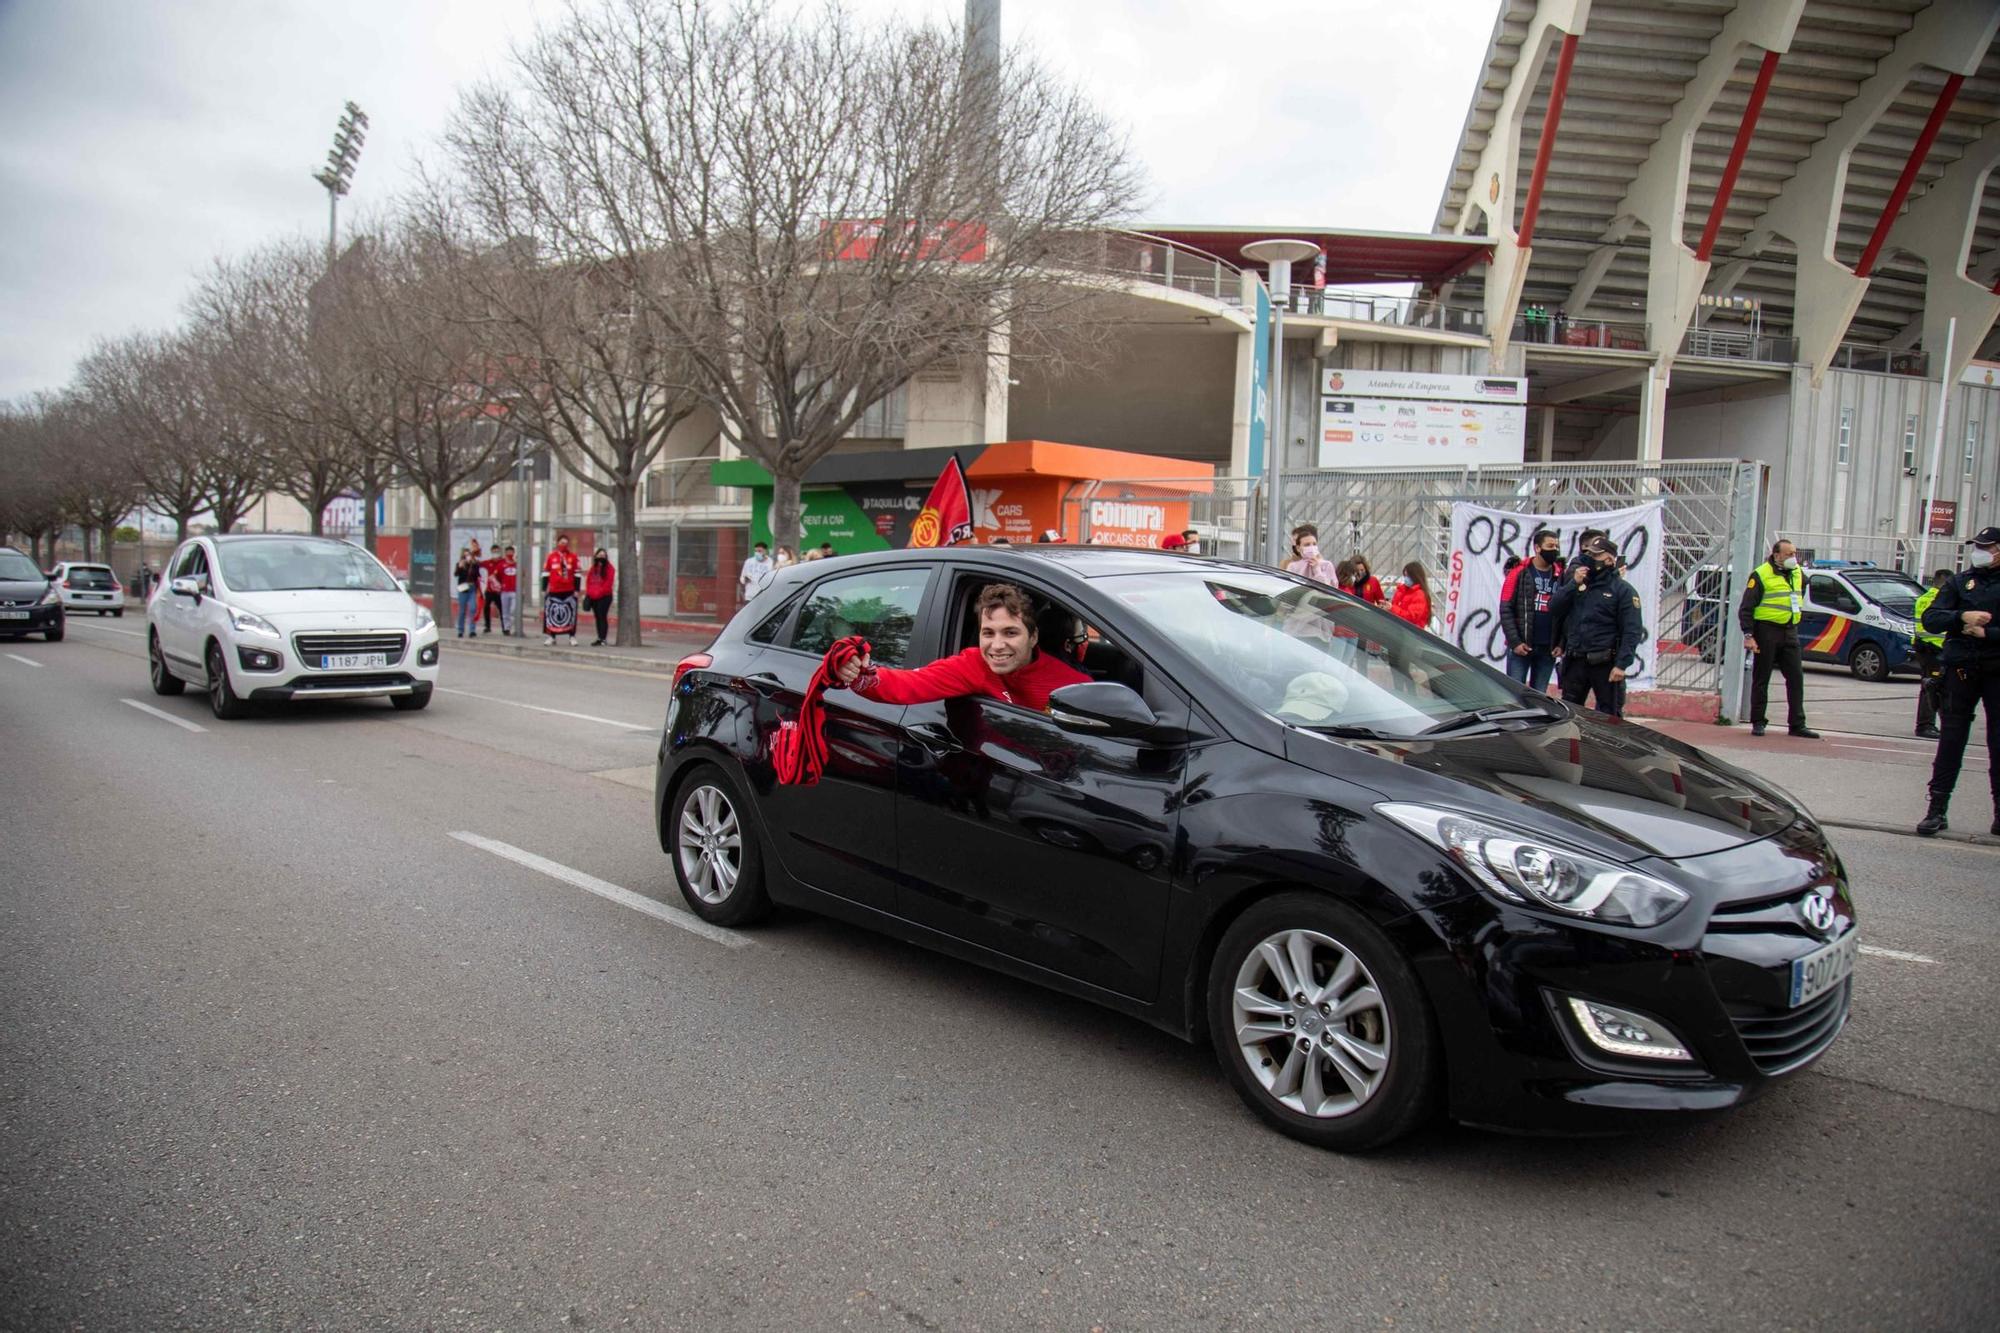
x=222 y=697
x=718 y=863
x=1868 y=663
x=1320 y=1024
x=416 y=700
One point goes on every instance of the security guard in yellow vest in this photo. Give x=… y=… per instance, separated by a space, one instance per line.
x=1928 y=649
x=1769 y=615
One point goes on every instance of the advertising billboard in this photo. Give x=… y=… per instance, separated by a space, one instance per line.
x=1377 y=418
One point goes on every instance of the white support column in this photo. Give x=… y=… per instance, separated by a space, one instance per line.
x=1494 y=180
x=1653 y=410
x=1658 y=194
x=1938 y=229
x=1240 y=410
x=1951 y=35
x=1594 y=268
x=1548 y=432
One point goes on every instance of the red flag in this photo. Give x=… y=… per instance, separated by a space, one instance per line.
x=946 y=518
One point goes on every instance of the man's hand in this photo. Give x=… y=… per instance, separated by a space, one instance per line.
x=1974 y=619
x=851 y=670
x=1750 y=644
x=1522 y=650
x=1617 y=674
x=1582 y=575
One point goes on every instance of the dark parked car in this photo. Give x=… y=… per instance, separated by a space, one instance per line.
x=29 y=602
x=1381 y=878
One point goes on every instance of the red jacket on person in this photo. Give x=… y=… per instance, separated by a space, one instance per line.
x=502 y=575
x=560 y=570
x=1413 y=604
x=1368 y=590
x=966 y=673
x=599 y=585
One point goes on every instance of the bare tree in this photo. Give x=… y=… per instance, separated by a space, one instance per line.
x=147 y=385
x=33 y=501
x=95 y=474
x=420 y=385
x=814 y=212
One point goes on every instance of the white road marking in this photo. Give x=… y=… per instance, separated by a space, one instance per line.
x=537 y=708
x=608 y=891
x=164 y=717
x=26 y=661
x=1897 y=954
x=89 y=624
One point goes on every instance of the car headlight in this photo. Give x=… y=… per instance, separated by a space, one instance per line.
x=51 y=596
x=249 y=622
x=1520 y=867
x=424 y=618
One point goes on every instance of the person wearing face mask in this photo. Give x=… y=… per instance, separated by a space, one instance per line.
x=1598 y=622
x=1769 y=614
x=1363 y=584
x=1928 y=649
x=1963 y=612
x=598 y=583
x=1527 y=602
x=1306 y=560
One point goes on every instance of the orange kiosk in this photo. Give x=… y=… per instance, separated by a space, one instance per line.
x=1023 y=488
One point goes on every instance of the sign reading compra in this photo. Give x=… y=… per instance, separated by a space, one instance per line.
x=1376 y=418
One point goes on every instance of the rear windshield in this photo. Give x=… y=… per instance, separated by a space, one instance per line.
x=90 y=576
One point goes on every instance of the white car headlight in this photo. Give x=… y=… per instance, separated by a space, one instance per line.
x=52 y=596
x=424 y=618
x=249 y=622
x=1521 y=867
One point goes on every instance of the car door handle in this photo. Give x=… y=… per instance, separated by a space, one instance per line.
x=764 y=682
x=937 y=741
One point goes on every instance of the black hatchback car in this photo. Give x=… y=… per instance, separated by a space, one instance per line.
x=1379 y=877
x=29 y=602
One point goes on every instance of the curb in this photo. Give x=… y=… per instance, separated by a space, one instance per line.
x=1905 y=831
x=589 y=656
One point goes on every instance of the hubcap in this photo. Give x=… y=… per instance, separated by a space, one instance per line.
x=1311 y=1025
x=711 y=844
x=218 y=683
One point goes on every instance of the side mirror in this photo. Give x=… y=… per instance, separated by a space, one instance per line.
x=186 y=587
x=1104 y=707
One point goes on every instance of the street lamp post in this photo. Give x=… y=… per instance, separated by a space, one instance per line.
x=338 y=172
x=1277 y=256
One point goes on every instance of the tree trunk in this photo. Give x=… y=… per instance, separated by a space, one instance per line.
x=442 y=564
x=368 y=520
x=182 y=521
x=104 y=535
x=89 y=545
x=35 y=550
x=785 y=518
x=625 y=511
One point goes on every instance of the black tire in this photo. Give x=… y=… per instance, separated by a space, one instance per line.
x=119 y=614
x=1397 y=1028
x=164 y=681
x=55 y=633
x=1868 y=663
x=222 y=697
x=744 y=901
x=414 y=702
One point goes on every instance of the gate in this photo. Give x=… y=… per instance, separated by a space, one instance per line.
x=1712 y=527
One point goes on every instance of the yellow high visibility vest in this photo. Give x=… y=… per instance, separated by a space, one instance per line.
x=1924 y=600
x=1781 y=603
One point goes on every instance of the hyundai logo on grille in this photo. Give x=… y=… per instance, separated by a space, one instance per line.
x=1817 y=909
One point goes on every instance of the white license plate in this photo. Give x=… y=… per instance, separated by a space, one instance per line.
x=13 y=615
x=1820 y=971
x=352 y=661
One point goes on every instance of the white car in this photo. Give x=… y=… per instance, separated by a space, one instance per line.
x=257 y=618
x=86 y=587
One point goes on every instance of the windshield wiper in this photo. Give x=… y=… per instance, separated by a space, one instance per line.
x=1483 y=717
x=1350 y=731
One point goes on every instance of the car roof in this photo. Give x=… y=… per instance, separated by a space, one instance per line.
x=235 y=538
x=1088 y=562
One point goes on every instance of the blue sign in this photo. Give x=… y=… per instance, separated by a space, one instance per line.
x=1260 y=378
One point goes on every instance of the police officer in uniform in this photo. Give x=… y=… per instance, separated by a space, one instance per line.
x=1769 y=615
x=1596 y=618
x=1929 y=651
x=1964 y=613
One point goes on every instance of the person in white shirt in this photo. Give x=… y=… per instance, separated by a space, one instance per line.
x=757 y=572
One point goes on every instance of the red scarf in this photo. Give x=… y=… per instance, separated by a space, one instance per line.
x=798 y=750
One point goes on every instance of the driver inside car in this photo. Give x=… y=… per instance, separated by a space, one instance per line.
x=1006 y=665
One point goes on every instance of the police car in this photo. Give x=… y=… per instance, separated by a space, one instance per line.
x=1859 y=616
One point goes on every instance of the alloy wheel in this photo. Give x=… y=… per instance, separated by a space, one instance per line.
x=218 y=682
x=711 y=843
x=1311 y=1024
x=154 y=663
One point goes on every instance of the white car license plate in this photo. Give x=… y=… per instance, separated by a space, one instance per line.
x=1820 y=971
x=13 y=615
x=352 y=661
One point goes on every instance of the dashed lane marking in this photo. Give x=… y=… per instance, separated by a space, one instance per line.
x=25 y=661
x=128 y=633
x=537 y=708
x=1900 y=955
x=180 y=722
x=608 y=891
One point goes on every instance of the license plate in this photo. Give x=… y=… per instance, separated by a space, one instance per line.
x=1820 y=971
x=352 y=661
x=13 y=615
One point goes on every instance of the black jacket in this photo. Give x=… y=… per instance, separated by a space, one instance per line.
x=1970 y=590
x=1517 y=613
x=1603 y=614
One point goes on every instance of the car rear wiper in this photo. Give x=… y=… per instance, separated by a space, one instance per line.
x=1480 y=717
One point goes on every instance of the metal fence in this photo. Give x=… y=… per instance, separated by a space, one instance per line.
x=1712 y=524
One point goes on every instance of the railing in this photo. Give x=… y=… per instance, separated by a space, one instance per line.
x=1740 y=345
x=682 y=483
x=1408 y=312
x=1880 y=359
x=1169 y=264
x=1562 y=331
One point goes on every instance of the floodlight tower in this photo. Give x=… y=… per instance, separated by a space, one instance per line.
x=339 y=169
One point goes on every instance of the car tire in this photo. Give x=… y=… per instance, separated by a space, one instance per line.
x=118 y=615
x=1375 y=1072
x=414 y=702
x=717 y=856
x=164 y=681
x=55 y=633
x=222 y=697
x=1868 y=662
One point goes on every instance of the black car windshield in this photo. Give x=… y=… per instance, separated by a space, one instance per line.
x=1321 y=659
x=1894 y=593
x=17 y=568
x=286 y=565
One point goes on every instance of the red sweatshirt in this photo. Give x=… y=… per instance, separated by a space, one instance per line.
x=966 y=673
x=1412 y=604
x=560 y=569
x=599 y=585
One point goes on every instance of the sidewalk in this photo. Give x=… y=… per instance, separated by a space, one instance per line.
x=661 y=651
x=1853 y=780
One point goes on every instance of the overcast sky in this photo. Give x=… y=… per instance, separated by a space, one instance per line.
x=143 y=139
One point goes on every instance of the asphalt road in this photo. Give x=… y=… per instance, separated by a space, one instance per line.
x=280 y=1051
